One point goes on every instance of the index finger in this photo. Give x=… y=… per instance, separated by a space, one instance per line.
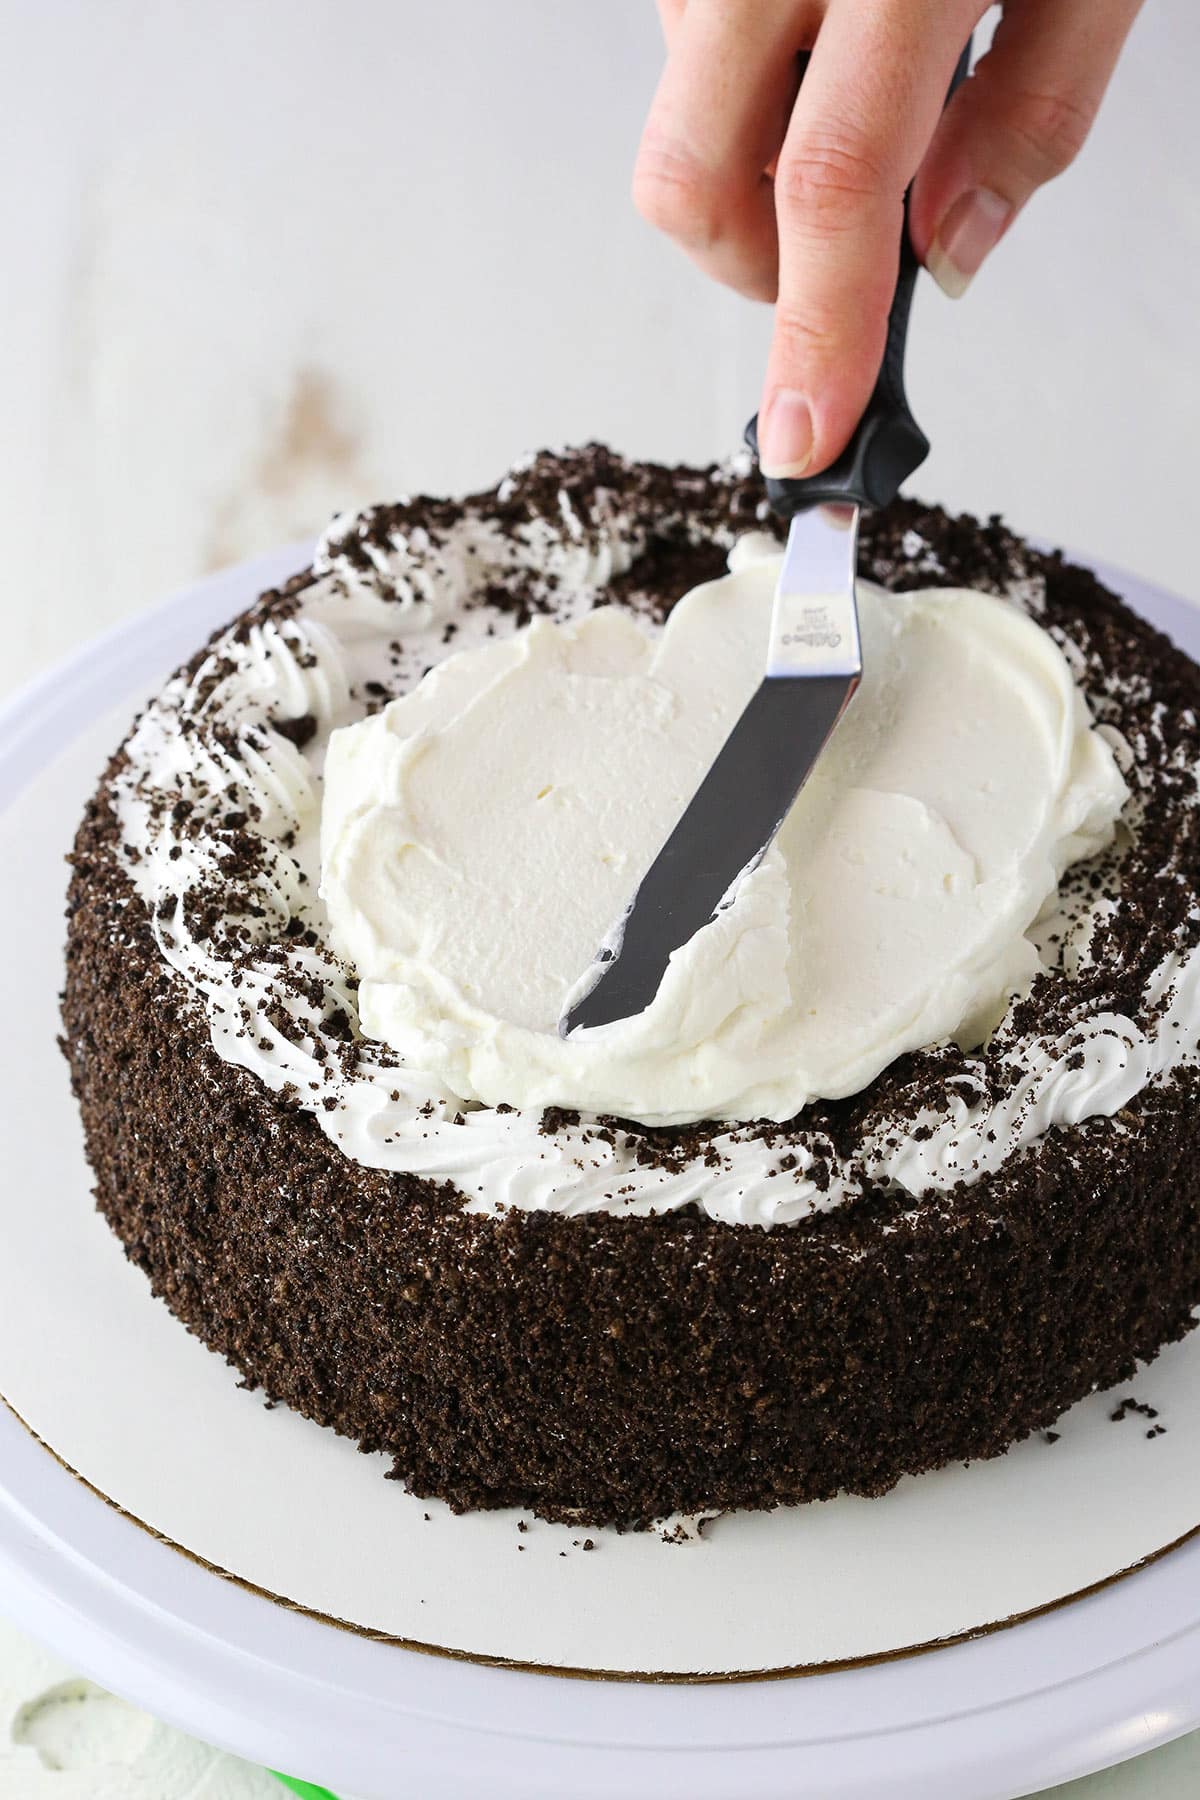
x=867 y=109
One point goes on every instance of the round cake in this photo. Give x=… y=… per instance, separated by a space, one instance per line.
x=899 y=1164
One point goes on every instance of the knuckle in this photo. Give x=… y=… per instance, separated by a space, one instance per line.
x=810 y=335
x=829 y=175
x=758 y=284
x=827 y=334
x=677 y=195
x=1048 y=128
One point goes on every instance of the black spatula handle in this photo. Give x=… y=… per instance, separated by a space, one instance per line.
x=887 y=444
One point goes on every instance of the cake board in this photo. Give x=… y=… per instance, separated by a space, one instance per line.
x=263 y=1586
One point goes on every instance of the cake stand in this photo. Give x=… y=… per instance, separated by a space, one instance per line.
x=247 y=1577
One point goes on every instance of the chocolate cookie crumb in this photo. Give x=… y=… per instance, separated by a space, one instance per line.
x=622 y=1368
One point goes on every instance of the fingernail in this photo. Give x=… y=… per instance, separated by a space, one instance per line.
x=785 y=435
x=973 y=225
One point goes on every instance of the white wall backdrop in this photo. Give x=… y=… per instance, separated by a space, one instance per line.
x=266 y=258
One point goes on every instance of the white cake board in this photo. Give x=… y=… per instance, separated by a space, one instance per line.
x=287 y=1529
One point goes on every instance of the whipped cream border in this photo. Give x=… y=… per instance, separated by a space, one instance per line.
x=212 y=738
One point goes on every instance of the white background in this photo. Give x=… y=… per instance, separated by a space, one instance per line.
x=266 y=259
x=270 y=259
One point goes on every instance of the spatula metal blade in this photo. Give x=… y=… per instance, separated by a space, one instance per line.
x=814 y=665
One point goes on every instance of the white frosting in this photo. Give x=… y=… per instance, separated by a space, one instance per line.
x=482 y=833
x=210 y=739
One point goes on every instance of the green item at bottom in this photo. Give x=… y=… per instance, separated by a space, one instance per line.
x=306 y=1789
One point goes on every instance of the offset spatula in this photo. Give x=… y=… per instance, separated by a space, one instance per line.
x=814 y=665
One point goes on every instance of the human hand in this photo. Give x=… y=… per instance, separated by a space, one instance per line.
x=797 y=196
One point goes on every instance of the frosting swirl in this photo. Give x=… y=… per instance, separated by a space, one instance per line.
x=219 y=795
x=481 y=833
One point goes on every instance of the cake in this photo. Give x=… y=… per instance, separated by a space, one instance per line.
x=860 y=1266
